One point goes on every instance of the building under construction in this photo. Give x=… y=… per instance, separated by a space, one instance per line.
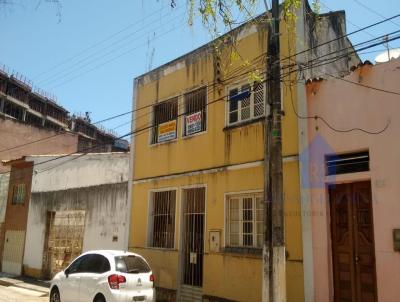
x=19 y=102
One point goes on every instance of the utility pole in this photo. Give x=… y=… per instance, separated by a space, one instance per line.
x=274 y=255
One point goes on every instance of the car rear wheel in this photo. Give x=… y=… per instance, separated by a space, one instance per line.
x=99 y=298
x=55 y=295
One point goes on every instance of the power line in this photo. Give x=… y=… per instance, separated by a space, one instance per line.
x=374 y=11
x=98 y=55
x=225 y=80
x=113 y=35
x=348 y=20
x=125 y=53
x=111 y=60
x=343 y=36
x=352 y=47
x=330 y=59
x=363 y=85
x=318 y=117
x=132 y=133
x=141 y=130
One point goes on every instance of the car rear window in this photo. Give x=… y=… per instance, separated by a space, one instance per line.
x=131 y=264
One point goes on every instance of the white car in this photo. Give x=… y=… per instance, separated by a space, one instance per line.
x=104 y=276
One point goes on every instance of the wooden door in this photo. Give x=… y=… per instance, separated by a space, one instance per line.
x=353 y=249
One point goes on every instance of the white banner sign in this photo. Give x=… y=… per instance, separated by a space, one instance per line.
x=193 y=123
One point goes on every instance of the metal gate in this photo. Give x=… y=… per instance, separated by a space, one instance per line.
x=193 y=243
x=13 y=252
x=64 y=239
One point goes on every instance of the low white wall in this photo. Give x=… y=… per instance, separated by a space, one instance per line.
x=76 y=171
x=105 y=208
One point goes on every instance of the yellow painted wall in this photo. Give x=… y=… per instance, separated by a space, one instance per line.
x=232 y=276
x=222 y=272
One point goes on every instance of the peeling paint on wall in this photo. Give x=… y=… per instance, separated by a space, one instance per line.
x=105 y=220
x=4 y=180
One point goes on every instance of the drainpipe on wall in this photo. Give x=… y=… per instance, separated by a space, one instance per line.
x=131 y=169
x=305 y=197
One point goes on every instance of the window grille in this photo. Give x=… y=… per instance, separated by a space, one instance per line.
x=18 y=194
x=163 y=219
x=246 y=103
x=347 y=163
x=195 y=119
x=164 y=113
x=244 y=220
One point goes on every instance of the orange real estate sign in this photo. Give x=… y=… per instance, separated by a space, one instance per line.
x=167 y=131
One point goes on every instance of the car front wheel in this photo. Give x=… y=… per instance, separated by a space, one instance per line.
x=55 y=295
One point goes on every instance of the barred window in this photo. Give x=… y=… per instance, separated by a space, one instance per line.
x=162 y=219
x=165 y=117
x=244 y=220
x=18 y=194
x=195 y=119
x=245 y=103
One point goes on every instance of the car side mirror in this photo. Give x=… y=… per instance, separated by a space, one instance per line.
x=66 y=272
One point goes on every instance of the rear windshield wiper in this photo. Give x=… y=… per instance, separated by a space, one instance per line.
x=133 y=271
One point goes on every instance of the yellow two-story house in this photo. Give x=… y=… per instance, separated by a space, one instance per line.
x=198 y=167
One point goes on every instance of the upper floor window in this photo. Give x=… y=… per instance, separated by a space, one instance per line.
x=18 y=194
x=165 y=117
x=245 y=103
x=195 y=112
x=244 y=220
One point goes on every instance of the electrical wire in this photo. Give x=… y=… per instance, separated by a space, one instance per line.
x=324 y=120
x=348 y=20
x=109 y=37
x=131 y=111
x=363 y=85
x=141 y=130
x=97 y=56
x=140 y=108
x=374 y=12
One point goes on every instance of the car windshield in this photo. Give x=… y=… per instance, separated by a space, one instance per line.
x=131 y=264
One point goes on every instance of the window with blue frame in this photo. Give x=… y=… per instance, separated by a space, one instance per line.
x=245 y=102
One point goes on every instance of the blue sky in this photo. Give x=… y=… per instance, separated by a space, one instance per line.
x=88 y=52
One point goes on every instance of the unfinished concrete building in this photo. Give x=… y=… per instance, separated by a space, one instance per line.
x=18 y=102
x=31 y=122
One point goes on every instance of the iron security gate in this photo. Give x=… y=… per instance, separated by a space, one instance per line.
x=193 y=242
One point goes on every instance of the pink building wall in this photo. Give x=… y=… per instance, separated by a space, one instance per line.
x=346 y=105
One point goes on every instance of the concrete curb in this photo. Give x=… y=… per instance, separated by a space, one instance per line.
x=16 y=283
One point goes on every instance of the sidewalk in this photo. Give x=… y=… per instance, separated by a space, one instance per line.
x=25 y=285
